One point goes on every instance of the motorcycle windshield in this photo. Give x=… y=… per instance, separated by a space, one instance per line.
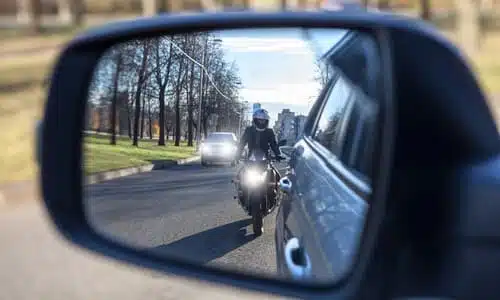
x=258 y=155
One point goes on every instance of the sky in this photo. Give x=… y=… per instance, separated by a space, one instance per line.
x=277 y=66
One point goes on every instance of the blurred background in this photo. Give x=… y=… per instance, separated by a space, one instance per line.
x=32 y=33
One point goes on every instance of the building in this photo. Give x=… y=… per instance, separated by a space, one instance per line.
x=284 y=126
x=289 y=126
x=300 y=121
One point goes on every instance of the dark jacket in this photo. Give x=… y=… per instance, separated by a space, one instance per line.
x=259 y=139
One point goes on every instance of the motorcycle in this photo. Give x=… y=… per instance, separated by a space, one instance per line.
x=257 y=188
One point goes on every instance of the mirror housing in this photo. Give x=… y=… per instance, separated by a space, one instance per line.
x=398 y=163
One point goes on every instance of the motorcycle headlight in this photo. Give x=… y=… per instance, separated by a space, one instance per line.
x=254 y=177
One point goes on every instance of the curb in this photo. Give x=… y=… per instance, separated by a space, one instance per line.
x=108 y=175
x=14 y=194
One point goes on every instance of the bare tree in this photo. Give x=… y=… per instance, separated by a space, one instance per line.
x=162 y=76
x=181 y=74
x=156 y=80
x=139 y=86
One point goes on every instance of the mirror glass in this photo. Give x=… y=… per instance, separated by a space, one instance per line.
x=249 y=150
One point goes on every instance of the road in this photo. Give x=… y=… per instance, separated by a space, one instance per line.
x=185 y=211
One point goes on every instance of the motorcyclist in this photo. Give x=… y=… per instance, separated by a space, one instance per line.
x=259 y=136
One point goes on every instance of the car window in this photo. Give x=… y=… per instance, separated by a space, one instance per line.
x=329 y=125
x=347 y=123
x=357 y=148
x=220 y=137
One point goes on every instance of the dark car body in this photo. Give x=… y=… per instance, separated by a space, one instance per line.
x=330 y=166
x=219 y=147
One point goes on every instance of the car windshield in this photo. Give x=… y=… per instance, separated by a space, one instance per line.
x=220 y=137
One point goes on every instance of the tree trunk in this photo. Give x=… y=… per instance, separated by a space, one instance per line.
x=205 y=129
x=178 y=90
x=150 y=7
x=161 y=121
x=137 y=115
x=129 y=124
x=114 y=100
x=30 y=13
x=78 y=12
x=64 y=13
x=138 y=93
x=283 y=4
x=246 y=4
x=178 y=117
x=384 y=4
x=190 y=107
x=163 y=86
x=23 y=14
x=150 y=120
x=468 y=25
x=425 y=10
x=143 y=113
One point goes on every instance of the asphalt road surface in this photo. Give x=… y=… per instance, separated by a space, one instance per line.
x=36 y=263
x=186 y=212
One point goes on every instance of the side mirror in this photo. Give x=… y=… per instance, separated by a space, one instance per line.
x=354 y=183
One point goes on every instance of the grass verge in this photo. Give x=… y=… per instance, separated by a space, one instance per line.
x=101 y=156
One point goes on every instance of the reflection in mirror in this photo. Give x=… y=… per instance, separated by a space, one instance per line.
x=249 y=150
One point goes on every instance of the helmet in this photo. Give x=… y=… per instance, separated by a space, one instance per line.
x=261 y=119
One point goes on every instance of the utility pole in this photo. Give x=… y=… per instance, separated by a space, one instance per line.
x=239 y=123
x=198 y=134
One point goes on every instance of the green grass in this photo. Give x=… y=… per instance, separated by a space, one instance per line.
x=101 y=156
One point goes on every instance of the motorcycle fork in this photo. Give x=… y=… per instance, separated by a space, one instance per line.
x=257 y=197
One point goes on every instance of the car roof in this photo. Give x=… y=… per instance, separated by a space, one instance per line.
x=221 y=133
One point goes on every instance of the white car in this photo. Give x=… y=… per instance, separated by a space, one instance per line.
x=219 y=147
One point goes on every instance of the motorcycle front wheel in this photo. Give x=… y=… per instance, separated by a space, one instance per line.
x=257 y=218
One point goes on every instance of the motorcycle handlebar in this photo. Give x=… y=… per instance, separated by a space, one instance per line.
x=272 y=159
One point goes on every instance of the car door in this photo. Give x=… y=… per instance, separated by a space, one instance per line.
x=329 y=185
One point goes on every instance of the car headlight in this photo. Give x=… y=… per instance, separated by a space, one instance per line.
x=205 y=148
x=228 y=149
x=254 y=177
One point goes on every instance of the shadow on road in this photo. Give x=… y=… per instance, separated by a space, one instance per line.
x=146 y=189
x=205 y=246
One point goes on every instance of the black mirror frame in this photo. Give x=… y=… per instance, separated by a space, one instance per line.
x=62 y=138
